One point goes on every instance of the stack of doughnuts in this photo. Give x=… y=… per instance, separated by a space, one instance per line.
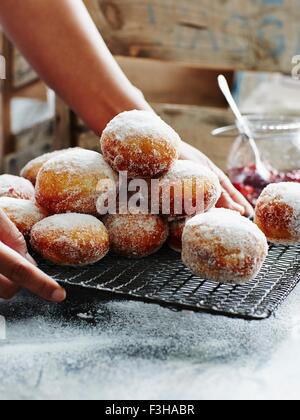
x=63 y=221
x=68 y=184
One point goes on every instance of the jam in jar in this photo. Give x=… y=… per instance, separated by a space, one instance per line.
x=278 y=140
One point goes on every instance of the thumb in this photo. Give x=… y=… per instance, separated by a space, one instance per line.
x=13 y=238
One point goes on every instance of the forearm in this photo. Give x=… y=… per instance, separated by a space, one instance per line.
x=62 y=43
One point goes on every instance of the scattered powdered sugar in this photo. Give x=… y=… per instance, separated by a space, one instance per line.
x=139 y=124
x=68 y=222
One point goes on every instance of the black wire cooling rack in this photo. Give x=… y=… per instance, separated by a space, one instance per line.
x=164 y=280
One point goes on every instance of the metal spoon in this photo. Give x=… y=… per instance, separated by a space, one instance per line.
x=244 y=128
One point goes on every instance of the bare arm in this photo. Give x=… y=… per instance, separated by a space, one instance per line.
x=62 y=43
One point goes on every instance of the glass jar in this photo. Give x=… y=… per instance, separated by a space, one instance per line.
x=278 y=140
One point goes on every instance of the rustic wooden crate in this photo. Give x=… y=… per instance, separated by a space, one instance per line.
x=21 y=81
x=232 y=34
x=29 y=144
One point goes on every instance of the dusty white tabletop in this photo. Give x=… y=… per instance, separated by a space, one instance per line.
x=129 y=350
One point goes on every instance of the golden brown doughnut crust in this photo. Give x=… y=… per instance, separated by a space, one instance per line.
x=70 y=182
x=16 y=187
x=277 y=213
x=176 y=229
x=70 y=239
x=136 y=236
x=140 y=143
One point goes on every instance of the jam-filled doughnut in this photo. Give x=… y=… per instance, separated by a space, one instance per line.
x=188 y=189
x=16 y=187
x=72 y=182
x=136 y=235
x=70 y=239
x=223 y=246
x=31 y=170
x=278 y=213
x=23 y=213
x=176 y=228
x=140 y=143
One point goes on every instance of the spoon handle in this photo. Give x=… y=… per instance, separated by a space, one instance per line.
x=227 y=93
x=244 y=127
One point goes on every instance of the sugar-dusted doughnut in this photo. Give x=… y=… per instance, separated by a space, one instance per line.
x=140 y=143
x=23 y=213
x=16 y=187
x=223 y=246
x=73 y=181
x=31 y=170
x=70 y=239
x=176 y=228
x=136 y=235
x=278 y=213
x=187 y=189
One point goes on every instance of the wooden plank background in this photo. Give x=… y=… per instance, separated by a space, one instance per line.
x=23 y=74
x=259 y=35
x=174 y=83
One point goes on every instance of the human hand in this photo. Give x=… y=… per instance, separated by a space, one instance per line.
x=231 y=198
x=19 y=270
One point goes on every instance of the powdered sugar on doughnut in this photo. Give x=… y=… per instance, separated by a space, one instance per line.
x=284 y=192
x=228 y=226
x=16 y=187
x=187 y=169
x=278 y=213
x=40 y=160
x=201 y=186
x=71 y=239
x=136 y=236
x=80 y=159
x=68 y=222
x=223 y=246
x=23 y=213
x=72 y=182
x=141 y=124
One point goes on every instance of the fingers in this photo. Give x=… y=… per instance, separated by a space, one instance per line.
x=25 y=275
x=7 y=289
x=13 y=238
x=227 y=202
x=236 y=197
